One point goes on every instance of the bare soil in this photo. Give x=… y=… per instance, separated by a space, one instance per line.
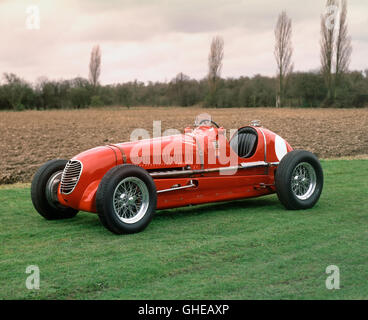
x=30 y=138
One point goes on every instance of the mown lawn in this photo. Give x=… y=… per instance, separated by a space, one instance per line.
x=248 y=249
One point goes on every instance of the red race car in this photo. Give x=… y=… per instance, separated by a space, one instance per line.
x=125 y=183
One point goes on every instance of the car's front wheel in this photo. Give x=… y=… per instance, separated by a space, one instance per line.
x=44 y=189
x=299 y=180
x=126 y=199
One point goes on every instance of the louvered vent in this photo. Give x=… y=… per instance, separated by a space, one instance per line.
x=70 y=176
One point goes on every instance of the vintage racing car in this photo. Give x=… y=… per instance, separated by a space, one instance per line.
x=125 y=183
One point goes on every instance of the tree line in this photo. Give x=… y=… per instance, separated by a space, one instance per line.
x=305 y=89
x=332 y=85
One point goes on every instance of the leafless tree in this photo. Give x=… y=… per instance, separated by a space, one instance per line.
x=343 y=45
x=215 y=64
x=180 y=78
x=283 y=53
x=95 y=65
x=215 y=58
x=328 y=28
x=178 y=82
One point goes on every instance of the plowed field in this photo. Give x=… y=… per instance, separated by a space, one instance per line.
x=28 y=139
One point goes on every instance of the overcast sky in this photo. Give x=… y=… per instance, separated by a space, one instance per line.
x=155 y=40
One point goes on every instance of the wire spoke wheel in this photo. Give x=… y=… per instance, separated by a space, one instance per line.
x=44 y=191
x=126 y=199
x=303 y=180
x=131 y=200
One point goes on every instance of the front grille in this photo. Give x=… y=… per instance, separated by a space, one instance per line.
x=70 y=176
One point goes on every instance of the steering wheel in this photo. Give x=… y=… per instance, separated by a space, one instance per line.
x=208 y=120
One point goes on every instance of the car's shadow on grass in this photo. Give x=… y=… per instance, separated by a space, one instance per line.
x=91 y=221
x=217 y=207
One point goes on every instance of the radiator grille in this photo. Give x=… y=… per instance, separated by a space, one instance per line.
x=70 y=176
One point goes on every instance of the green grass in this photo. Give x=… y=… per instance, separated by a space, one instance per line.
x=248 y=249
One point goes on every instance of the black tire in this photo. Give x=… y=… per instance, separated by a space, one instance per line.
x=105 y=199
x=47 y=209
x=284 y=175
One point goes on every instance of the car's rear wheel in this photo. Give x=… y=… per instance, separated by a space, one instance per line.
x=44 y=189
x=299 y=180
x=126 y=199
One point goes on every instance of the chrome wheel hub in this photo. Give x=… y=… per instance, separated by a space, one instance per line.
x=52 y=186
x=131 y=200
x=303 y=181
